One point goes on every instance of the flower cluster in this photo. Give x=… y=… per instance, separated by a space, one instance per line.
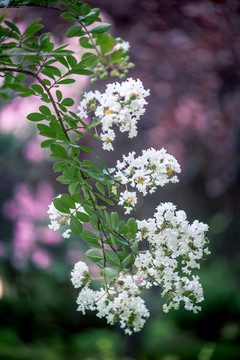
x=121 y=105
x=145 y=173
x=175 y=248
x=122 y=45
x=59 y=219
x=80 y=274
x=120 y=302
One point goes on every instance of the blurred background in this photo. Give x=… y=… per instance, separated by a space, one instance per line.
x=188 y=54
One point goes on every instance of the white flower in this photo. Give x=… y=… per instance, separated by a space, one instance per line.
x=123 y=45
x=66 y=234
x=121 y=105
x=107 y=139
x=121 y=302
x=59 y=219
x=79 y=273
x=175 y=248
x=128 y=200
x=146 y=172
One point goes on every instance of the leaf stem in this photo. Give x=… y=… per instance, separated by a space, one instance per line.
x=30 y=73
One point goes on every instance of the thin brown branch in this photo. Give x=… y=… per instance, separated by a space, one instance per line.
x=30 y=73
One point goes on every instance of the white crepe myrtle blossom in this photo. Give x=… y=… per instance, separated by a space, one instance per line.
x=175 y=248
x=120 y=303
x=128 y=200
x=122 y=45
x=122 y=104
x=59 y=219
x=146 y=172
x=80 y=274
x=107 y=138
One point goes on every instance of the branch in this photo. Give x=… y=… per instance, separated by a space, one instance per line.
x=30 y=73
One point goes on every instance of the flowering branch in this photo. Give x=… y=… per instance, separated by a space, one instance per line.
x=173 y=246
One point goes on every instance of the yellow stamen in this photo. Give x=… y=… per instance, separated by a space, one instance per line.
x=140 y=180
x=107 y=111
x=169 y=171
x=129 y=200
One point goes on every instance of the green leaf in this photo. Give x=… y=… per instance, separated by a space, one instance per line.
x=67 y=102
x=126 y=262
x=110 y=273
x=116 y=57
x=113 y=240
x=107 y=216
x=123 y=228
x=93 y=255
x=132 y=226
x=67 y=81
x=61 y=206
x=46 y=143
x=108 y=201
x=37 y=88
x=88 y=59
x=58 y=152
x=106 y=43
x=62 y=60
x=100 y=188
x=74 y=30
x=120 y=239
x=48 y=73
x=59 y=95
x=69 y=17
x=63 y=108
x=46 y=82
x=82 y=216
x=86 y=149
x=45 y=110
x=134 y=247
x=114 y=219
x=19 y=88
x=58 y=166
x=85 y=9
x=47 y=131
x=74 y=188
x=36 y=117
x=76 y=198
x=72 y=61
x=33 y=28
x=91 y=239
x=32 y=68
x=84 y=42
x=99 y=29
x=12 y=26
x=63 y=180
x=75 y=225
x=81 y=72
x=52 y=70
x=112 y=258
x=68 y=201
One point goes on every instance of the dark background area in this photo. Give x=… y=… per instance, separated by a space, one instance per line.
x=188 y=54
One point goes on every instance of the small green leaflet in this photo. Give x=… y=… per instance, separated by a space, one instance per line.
x=36 y=117
x=99 y=29
x=110 y=273
x=93 y=255
x=112 y=258
x=75 y=225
